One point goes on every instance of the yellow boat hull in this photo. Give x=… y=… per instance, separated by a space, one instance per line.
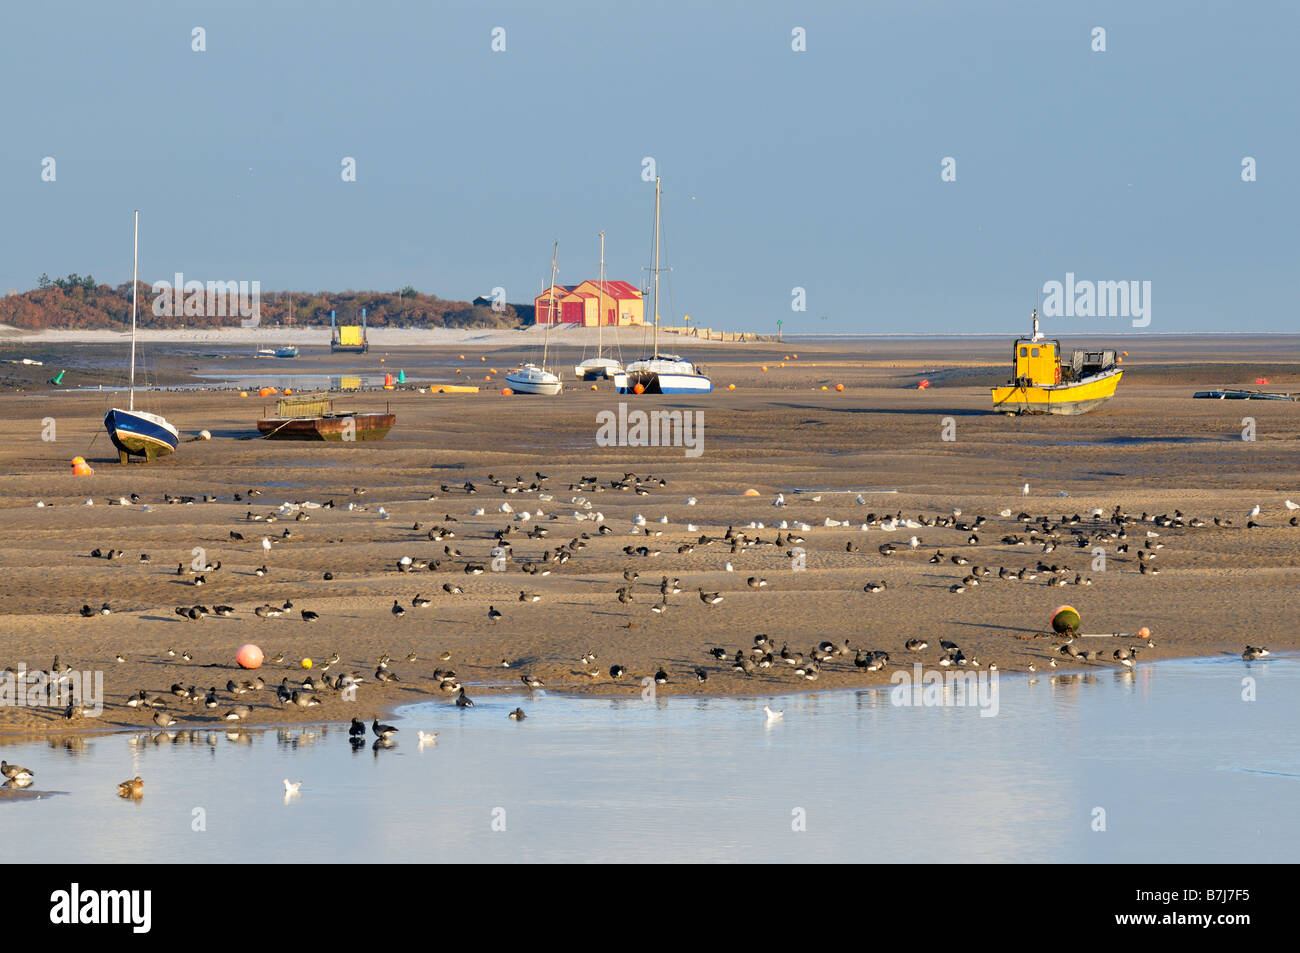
x=451 y=389
x=1075 y=397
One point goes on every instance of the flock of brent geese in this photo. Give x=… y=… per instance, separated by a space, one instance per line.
x=1131 y=541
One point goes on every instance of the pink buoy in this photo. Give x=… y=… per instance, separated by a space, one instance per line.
x=249 y=656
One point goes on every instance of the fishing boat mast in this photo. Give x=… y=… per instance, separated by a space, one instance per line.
x=135 y=277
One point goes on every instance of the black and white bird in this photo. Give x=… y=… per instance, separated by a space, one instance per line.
x=15 y=772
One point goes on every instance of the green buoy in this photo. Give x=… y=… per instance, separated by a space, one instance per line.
x=57 y=379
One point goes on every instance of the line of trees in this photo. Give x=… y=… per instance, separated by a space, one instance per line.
x=78 y=302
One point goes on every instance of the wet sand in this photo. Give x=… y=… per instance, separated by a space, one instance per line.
x=1152 y=449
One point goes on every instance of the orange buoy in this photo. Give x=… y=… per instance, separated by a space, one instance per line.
x=493 y=370
x=267 y=392
x=81 y=468
x=1144 y=633
x=787 y=357
x=288 y=391
x=795 y=356
x=731 y=387
x=483 y=359
x=249 y=656
x=763 y=368
x=750 y=492
x=487 y=377
x=638 y=389
x=839 y=387
x=243 y=393
x=462 y=357
x=506 y=392
x=594 y=387
x=458 y=370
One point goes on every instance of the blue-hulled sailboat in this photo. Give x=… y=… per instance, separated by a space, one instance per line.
x=133 y=432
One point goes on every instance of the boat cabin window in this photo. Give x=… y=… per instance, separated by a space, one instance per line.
x=1035 y=353
x=1024 y=352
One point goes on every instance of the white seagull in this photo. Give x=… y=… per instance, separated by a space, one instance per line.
x=773 y=715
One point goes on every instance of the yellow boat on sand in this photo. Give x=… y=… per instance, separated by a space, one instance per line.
x=1045 y=384
x=451 y=389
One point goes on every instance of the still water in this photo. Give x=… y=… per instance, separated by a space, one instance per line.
x=1169 y=758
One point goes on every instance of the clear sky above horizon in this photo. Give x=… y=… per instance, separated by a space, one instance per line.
x=817 y=169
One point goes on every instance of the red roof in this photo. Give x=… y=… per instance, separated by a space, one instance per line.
x=619 y=289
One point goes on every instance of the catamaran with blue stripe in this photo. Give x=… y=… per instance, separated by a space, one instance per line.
x=661 y=373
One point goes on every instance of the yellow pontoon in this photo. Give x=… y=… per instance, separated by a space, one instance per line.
x=1044 y=384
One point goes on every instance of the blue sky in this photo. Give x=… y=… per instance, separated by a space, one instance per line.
x=817 y=169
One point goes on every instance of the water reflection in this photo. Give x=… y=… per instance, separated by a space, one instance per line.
x=664 y=780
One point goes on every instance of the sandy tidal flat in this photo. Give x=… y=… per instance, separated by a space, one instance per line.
x=1152 y=451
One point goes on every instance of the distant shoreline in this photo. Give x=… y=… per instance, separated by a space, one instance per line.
x=452 y=337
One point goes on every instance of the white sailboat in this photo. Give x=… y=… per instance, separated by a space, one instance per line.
x=532 y=378
x=594 y=368
x=134 y=432
x=661 y=373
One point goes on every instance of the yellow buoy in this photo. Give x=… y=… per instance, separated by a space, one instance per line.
x=306 y=663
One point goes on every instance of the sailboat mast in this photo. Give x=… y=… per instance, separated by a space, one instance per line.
x=546 y=340
x=654 y=300
x=600 y=306
x=135 y=277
